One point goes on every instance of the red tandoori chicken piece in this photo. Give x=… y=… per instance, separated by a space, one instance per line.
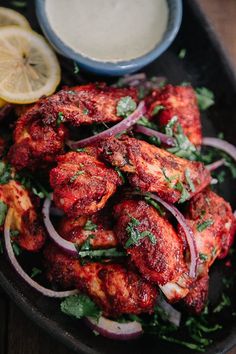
x=25 y=218
x=180 y=101
x=82 y=184
x=152 y=169
x=41 y=131
x=150 y=240
x=113 y=287
x=213 y=224
x=198 y=294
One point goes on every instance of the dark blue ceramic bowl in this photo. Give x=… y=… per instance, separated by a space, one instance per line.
x=108 y=68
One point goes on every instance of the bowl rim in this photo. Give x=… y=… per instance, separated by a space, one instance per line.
x=110 y=67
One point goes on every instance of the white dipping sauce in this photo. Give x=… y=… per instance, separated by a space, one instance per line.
x=109 y=30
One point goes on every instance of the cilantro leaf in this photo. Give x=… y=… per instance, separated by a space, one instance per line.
x=100 y=253
x=3 y=212
x=202 y=226
x=125 y=106
x=80 y=306
x=35 y=271
x=157 y=109
x=90 y=226
x=205 y=98
x=60 y=119
x=5 y=172
x=135 y=235
x=182 y=53
x=225 y=302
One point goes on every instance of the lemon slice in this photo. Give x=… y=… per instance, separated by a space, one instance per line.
x=9 y=17
x=29 y=69
x=2 y=103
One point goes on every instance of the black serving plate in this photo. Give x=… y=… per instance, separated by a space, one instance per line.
x=205 y=64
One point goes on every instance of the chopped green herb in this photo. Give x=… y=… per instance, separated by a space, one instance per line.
x=5 y=172
x=76 y=68
x=77 y=174
x=98 y=254
x=147 y=123
x=120 y=174
x=152 y=202
x=182 y=53
x=185 y=83
x=14 y=233
x=80 y=306
x=203 y=257
x=213 y=252
x=205 y=98
x=157 y=109
x=28 y=182
x=19 y=4
x=221 y=176
x=85 y=111
x=71 y=92
x=189 y=180
x=86 y=246
x=225 y=301
x=16 y=249
x=125 y=106
x=135 y=235
x=184 y=193
x=39 y=194
x=202 y=226
x=3 y=212
x=220 y=135
x=81 y=150
x=60 y=119
x=35 y=272
x=90 y=226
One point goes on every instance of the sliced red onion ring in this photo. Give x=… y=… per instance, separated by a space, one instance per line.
x=235 y=214
x=165 y=139
x=115 y=330
x=172 y=314
x=120 y=127
x=221 y=145
x=188 y=232
x=21 y=272
x=133 y=80
x=67 y=246
x=213 y=166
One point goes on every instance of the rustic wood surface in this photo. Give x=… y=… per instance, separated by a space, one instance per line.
x=18 y=334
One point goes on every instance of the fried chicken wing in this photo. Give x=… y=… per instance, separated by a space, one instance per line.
x=159 y=254
x=26 y=221
x=41 y=131
x=82 y=184
x=114 y=288
x=178 y=101
x=155 y=170
x=198 y=294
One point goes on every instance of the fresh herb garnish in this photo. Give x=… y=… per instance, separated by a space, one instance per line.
x=86 y=246
x=77 y=174
x=76 y=68
x=28 y=182
x=3 y=212
x=5 y=172
x=135 y=235
x=35 y=271
x=225 y=302
x=16 y=249
x=182 y=53
x=125 y=106
x=203 y=225
x=203 y=257
x=99 y=254
x=189 y=180
x=80 y=306
x=85 y=111
x=14 y=233
x=60 y=119
x=90 y=226
x=184 y=193
x=120 y=174
x=205 y=98
x=147 y=123
x=152 y=202
x=157 y=109
x=19 y=4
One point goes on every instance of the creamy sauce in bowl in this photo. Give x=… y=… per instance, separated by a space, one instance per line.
x=109 y=30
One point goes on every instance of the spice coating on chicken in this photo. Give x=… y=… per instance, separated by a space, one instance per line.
x=25 y=219
x=159 y=254
x=41 y=131
x=82 y=184
x=180 y=101
x=198 y=294
x=155 y=170
x=113 y=287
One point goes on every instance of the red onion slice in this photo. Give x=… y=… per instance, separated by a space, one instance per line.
x=188 y=232
x=67 y=246
x=165 y=139
x=120 y=127
x=172 y=314
x=221 y=145
x=214 y=165
x=115 y=330
x=21 y=272
x=133 y=80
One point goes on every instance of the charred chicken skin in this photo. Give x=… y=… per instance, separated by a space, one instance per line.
x=82 y=184
x=41 y=131
x=155 y=170
x=116 y=289
x=26 y=221
x=179 y=101
x=158 y=255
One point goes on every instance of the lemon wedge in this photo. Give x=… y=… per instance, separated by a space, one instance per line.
x=29 y=69
x=2 y=103
x=9 y=17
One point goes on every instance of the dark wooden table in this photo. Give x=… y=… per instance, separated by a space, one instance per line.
x=18 y=334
